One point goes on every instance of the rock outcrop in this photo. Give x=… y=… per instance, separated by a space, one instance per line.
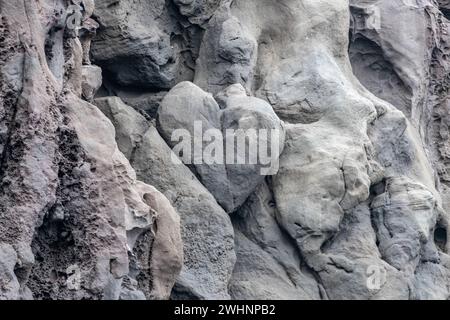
x=75 y=223
x=99 y=201
x=187 y=107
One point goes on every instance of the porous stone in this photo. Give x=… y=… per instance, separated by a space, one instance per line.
x=70 y=203
x=207 y=232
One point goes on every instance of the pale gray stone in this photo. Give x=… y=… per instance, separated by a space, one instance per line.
x=206 y=228
x=360 y=205
x=91 y=81
x=230 y=183
x=70 y=203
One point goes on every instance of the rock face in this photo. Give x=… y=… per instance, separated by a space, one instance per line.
x=186 y=106
x=143 y=44
x=97 y=201
x=206 y=229
x=75 y=223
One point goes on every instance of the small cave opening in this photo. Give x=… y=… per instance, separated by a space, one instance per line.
x=378 y=188
x=440 y=238
x=445 y=12
x=444 y=7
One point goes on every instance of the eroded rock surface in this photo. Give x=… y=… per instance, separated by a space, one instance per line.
x=359 y=207
x=206 y=229
x=73 y=216
x=187 y=107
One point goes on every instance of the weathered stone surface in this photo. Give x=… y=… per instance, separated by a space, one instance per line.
x=360 y=205
x=332 y=160
x=145 y=103
x=91 y=81
x=186 y=106
x=129 y=125
x=197 y=11
x=70 y=204
x=136 y=45
x=206 y=228
x=268 y=263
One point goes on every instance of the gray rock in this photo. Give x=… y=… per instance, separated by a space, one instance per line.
x=132 y=295
x=206 y=229
x=227 y=54
x=70 y=202
x=359 y=208
x=148 y=103
x=91 y=81
x=130 y=126
x=11 y=285
x=268 y=263
x=331 y=162
x=197 y=11
x=135 y=45
x=230 y=183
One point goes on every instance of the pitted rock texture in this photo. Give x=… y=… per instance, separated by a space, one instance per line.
x=94 y=205
x=73 y=216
